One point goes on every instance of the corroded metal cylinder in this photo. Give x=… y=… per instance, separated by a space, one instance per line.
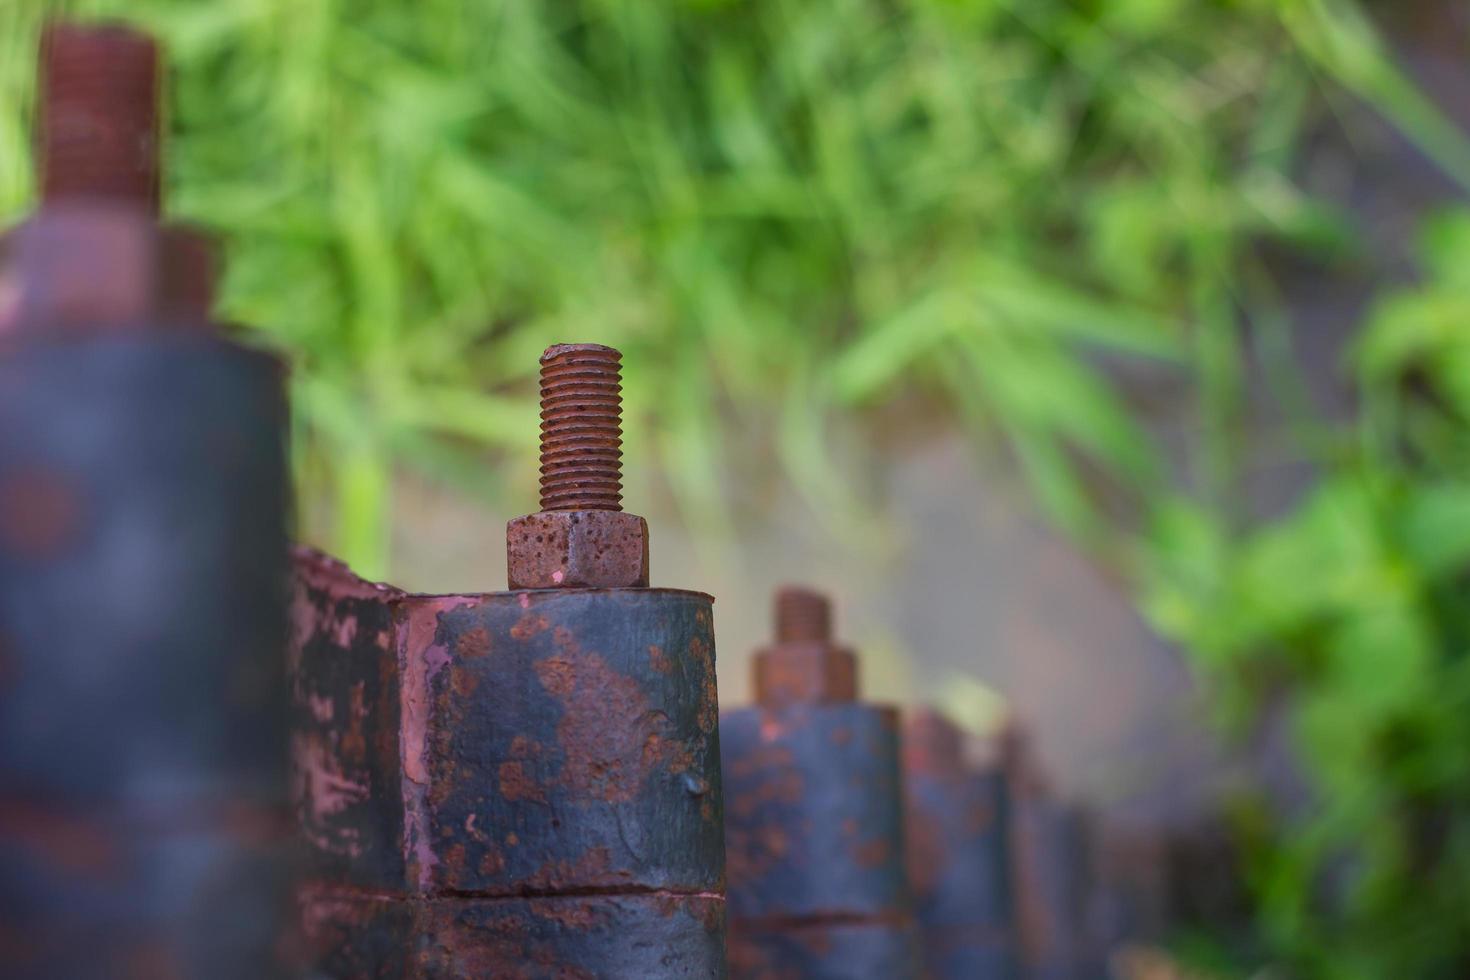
x=814 y=823
x=956 y=816
x=1049 y=871
x=515 y=784
x=508 y=784
x=143 y=828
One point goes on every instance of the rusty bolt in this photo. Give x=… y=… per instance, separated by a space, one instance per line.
x=581 y=538
x=803 y=664
x=94 y=255
x=99 y=130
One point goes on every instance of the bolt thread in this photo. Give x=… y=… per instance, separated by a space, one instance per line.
x=581 y=428
x=98 y=126
x=802 y=616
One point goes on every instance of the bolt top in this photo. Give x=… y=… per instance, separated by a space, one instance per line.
x=803 y=665
x=581 y=428
x=98 y=120
x=556 y=350
x=802 y=615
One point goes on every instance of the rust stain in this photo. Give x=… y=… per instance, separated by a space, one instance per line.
x=708 y=717
x=609 y=736
x=529 y=625
x=492 y=862
x=594 y=866
x=572 y=913
x=40 y=513
x=353 y=746
x=923 y=849
x=516 y=784
x=659 y=660
x=463 y=682
x=474 y=644
x=873 y=853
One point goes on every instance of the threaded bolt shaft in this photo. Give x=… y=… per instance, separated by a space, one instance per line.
x=581 y=428
x=99 y=127
x=802 y=616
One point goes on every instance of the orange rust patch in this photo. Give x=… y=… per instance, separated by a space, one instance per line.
x=474 y=643
x=594 y=867
x=572 y=913
x=528 y=626
x=353 y=745
x=659 y=660
x=40 y=513
x=463 y=682
x=749 y=854
x=924 y=849
x=708 y=716
x=610 y=737
x=522 y=747
x=517 y=784
x=874 y=853
x=492 y=862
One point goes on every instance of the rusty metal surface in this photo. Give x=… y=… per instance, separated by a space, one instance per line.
x=528 y=774
x=143 y=502
x=825 y=951
x=814 y=840
x=814 y=814
x=142 y=552
x=957 y=845
x=541 y=938
x=1049 y=865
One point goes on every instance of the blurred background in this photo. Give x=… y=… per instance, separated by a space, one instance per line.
x=1106 y=359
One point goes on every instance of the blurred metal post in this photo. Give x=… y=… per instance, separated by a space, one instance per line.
x=956 y=823
x=143 y=507
x=1049 y=863
x=814 y=829
x=523 y=783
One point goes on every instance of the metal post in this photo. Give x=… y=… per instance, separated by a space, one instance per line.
x=956 y=817
x=814 y=821
x=142 y=566
x=523 y=783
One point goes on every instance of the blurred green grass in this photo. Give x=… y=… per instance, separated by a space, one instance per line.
x=785 y=212
x=768 y=204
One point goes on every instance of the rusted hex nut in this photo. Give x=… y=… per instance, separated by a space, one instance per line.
x=593 y=549
x=810 y=673
x=74 y=266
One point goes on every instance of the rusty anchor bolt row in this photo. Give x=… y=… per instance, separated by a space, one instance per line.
x=94 y=255
x=581 y=538
x=804 y=665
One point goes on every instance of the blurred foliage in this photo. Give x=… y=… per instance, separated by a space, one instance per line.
x=783 y=211
x=1353 y=607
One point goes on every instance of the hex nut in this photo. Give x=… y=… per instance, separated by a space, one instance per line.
x=806 y=673
x=102 y=265
x=589 y=549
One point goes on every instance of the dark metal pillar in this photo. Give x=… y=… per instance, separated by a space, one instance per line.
x=814 y=821
x=521 y=784
x=142 y=567
x=956 y=819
